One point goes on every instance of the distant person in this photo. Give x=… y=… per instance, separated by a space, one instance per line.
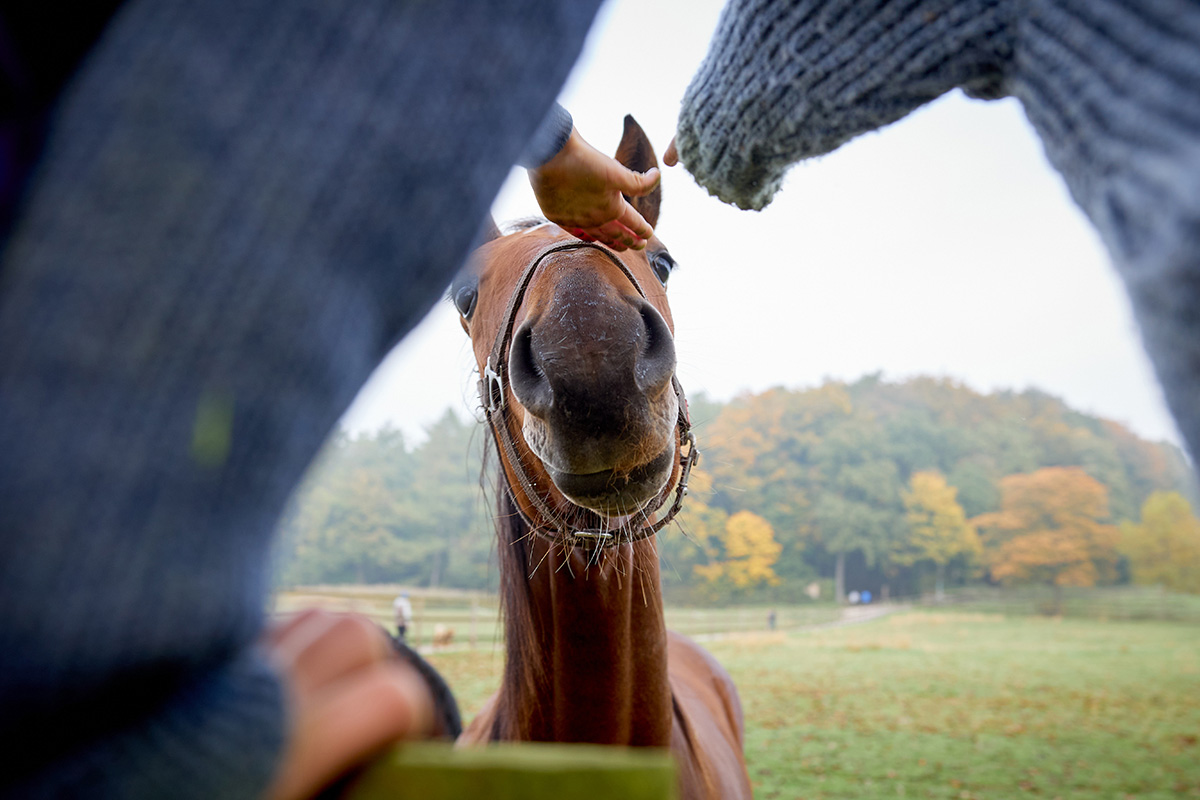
x=1111 y=87
x=771 y=620
x=403 y=611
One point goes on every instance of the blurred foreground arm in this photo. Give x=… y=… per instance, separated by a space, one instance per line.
x=239 y=208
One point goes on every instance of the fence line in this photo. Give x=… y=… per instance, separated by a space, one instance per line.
x=1105 y=603
x=473 y=619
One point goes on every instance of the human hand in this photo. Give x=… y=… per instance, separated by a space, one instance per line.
x=349 y=698
x=581 y=190
x=671 y=157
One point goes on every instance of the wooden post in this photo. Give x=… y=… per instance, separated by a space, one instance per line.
x=474 y=613
x=510 y=771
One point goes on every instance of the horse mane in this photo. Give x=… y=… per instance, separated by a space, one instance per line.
x=523 y=670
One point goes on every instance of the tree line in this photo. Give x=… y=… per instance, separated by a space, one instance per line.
x=896 y=487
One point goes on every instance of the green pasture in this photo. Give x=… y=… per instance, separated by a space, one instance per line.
x=960 y=705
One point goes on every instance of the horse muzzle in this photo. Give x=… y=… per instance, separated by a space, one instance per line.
x=616 y=493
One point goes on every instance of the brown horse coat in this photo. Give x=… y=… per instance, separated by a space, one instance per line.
x=591 y=410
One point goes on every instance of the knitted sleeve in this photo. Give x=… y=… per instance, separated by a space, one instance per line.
x=1111 y=87
x=549 y=138
x=785 y=80
x=241 y=205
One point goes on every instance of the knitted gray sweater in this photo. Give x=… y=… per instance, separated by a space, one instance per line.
x=1111 y=86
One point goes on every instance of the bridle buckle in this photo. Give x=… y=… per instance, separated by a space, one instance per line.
x=495 y=388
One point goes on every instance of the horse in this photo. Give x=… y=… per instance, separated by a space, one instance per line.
x=574 y=345
x=443 y=636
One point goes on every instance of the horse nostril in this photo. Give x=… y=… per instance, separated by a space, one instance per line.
x=656 y=364
x=529 y=383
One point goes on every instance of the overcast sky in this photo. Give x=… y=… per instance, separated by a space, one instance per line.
x=943 y=245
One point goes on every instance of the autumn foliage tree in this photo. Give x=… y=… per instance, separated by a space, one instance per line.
x=695 y=537
x=750 y=553
x=938 y=528
x=1164 y=548
x=1051 y=529
x=827 y=467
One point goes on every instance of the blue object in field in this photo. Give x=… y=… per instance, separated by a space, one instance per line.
x=865 y=597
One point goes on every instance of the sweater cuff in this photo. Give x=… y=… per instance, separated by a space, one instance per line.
x=548 y=139
x=784 y=81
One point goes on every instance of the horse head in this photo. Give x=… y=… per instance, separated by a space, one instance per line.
x=575 y=348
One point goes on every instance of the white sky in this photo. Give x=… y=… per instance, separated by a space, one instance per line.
x=943 y=245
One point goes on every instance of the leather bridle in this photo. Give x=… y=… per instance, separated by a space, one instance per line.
x=585 y=528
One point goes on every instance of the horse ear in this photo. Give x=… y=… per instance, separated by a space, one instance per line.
x=636 y=153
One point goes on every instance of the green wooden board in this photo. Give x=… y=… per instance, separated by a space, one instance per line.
x=425 y=771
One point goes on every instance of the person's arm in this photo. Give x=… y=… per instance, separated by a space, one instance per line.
x=784 y=81
x=584 y=190
x=241 y=207
x=1112 y=89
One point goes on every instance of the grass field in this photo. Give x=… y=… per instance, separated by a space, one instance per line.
x=955 y=705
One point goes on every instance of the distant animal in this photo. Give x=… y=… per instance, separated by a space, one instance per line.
x=442 y=636
x=576 y=356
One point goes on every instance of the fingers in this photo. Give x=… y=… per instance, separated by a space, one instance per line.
x=283 y=625
x=671 y=157
x=636 y=224
x=349 y=697
x=580 y=233
x=582 y=190
x=325 y=646
x=614 y=234
x=617 y=236
x=636 y=184
x=348 y=721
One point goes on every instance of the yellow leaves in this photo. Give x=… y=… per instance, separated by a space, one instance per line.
x=938 y=526
x=751 y=550
x=1164 y=548
x=750 y=553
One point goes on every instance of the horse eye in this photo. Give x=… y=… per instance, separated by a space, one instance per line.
x=662 y=264
x=464 y=297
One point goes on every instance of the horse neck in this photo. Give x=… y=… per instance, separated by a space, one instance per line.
x=586 y=657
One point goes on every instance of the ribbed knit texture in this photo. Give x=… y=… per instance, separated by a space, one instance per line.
x=787 y=80
x=1111 y=86
x=549 y=138
x=242 y=205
